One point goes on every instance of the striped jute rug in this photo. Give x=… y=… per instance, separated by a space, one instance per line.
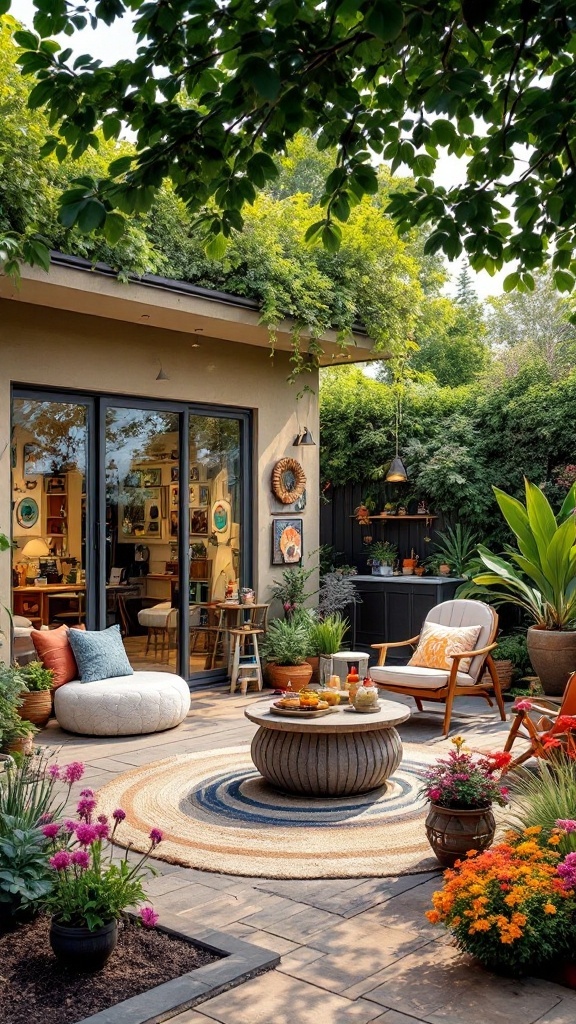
x=218 y=814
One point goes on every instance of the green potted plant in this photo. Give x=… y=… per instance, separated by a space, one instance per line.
x=326 y=638
x=436 y=566
x=383 y=554
x=285 y=647
x=511 y=659
x=19 y=736
x=291 y=589
x=11 y=687
x=455 y=547
x=36 y=696
x=539 y=577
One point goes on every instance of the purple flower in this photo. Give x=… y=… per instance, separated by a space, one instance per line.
x=61 y=860
x=54 y=771
x=119 y=814
x=102 y=819
x=69 y=825
x=156 y=836
x=566 y=824
x=567 y=870
x=149 y=917
x=86 y=834
x=73 y=772
x=81 y=859
x=102 y=830
x=85 y=808
x=89 y=793
x=51 y=831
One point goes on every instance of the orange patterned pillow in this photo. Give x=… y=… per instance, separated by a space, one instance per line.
x=437 y=642
x=54 y=650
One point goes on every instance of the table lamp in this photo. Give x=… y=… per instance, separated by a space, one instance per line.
x=34 y=549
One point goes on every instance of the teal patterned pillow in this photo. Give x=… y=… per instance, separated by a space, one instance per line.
x=99 y=654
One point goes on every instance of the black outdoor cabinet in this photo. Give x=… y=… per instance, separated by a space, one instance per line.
x=394 y=608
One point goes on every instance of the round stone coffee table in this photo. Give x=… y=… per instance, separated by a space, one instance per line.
x=338 y=754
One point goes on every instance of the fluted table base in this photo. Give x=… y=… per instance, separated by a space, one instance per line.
x=326 y=764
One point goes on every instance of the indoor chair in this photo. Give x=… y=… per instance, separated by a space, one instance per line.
x=433 y=684
x=548 y=726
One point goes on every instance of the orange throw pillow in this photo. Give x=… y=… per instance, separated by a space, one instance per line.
x=437 y=642
x=54 y=650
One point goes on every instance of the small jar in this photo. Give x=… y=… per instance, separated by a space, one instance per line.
x=334 y=683
x=366 y=696
x=352 y=683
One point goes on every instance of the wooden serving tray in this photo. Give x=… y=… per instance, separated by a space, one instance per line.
x=302 y=712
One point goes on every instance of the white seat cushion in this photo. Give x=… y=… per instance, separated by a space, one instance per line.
x=161 y=616
x=418 y=678
x=124 y=706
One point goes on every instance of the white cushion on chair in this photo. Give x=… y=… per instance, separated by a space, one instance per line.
x=412 y=676
x=462 y=612
x=160 y=616
x=124 y=706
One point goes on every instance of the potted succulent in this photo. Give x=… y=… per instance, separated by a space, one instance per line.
x=36 y=696
x=326 y=638
x=89 y=891
x=383 y=554
x=285 y=647
x=540 y=577
x=462 y=788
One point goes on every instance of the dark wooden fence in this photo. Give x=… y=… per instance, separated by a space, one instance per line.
x=339 y=528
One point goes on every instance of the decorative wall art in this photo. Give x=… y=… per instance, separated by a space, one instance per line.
x=221 y=515
x=151 y=478
x=172 y=496
x=55 y=484
x=194 y=473
x=27 y=513
x=288 y=481
x=287 y=541
x=174 y=473
x=204 y=496
x=32 y=459
x=193 y=494
x=199 y=520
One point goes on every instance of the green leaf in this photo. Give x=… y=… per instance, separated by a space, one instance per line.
x=216 y=247
x=331 y=237
x=91 y=216
x=114 y=227
x=27 y=40
x=314 y=231
x=511 y=282
x=385 y=20
x=120 y=166
x=264 y=79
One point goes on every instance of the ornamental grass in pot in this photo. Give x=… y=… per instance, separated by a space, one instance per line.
x=462 y=788
x=285 y=647
x=326 y=638
x=539 y=577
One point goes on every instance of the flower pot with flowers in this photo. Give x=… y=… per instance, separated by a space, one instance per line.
x=513 y=907
x=90 y=892
x=462 y=788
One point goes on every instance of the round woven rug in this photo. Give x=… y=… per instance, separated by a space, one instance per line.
x=218 y=814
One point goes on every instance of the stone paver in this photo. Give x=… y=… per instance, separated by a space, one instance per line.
x=353 y=950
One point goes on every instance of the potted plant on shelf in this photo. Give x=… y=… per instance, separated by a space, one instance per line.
x=285 y=647
x=540 y=577
x=90 y=892
x=462 y=788
x=326 y=638
x=436 y=566
x=455 y=549
x=383 y=554
x=36 y=696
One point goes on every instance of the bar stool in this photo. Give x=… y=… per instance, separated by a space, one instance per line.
x=342 y=661
x=246 y=666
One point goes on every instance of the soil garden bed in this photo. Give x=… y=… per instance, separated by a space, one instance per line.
x=35 y=987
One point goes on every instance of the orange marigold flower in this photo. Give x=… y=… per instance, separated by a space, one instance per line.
x=481 y=925
x=519 y=919
x=549 y=908
x=554 y=840
x=471 y=853
x=433 y=916
x=533 y=830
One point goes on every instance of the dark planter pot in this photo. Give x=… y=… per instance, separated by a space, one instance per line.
x=452 y=833
x=83 y=950
x=553 y=656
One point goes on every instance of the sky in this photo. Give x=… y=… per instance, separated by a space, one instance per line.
x=118 y=42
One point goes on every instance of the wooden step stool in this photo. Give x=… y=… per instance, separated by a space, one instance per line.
x=246 y=667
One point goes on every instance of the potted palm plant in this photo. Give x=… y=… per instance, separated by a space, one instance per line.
x=285 y=648
x=539 y=577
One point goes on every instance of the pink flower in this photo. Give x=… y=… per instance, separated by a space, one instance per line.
x=102 y=819
x=522 y=705
x=149 y=917
x=118 y=814
x=156 y=836
x=102 y=830
x=81 y=859
x=86 y=834
x=69 y=825
x=73 y=772
x=89 y=793
x=61 y=860
x=54 y=771
x=51 y=831
x=85 y=808
x=566 y=824
x=434 y=794
x=45 y=818
x=505 y=792
x=567 y=870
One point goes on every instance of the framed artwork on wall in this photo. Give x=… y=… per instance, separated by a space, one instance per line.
x=27 y=513
x=31 y=459
x=172 y=496
x=199 y=521
x=204 y=495
x=221 y=516
x=151 y=477
x=174 y=473
x=287 y=539
x=193 y=494
x=194 y=473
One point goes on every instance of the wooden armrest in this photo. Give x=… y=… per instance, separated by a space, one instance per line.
x=473 y=654
x=397 y=643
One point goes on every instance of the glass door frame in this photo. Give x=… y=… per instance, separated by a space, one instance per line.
x=96 y=406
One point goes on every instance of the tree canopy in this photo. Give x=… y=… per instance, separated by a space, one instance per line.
x=217 y=89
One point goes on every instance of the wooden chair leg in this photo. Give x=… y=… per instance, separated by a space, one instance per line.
x=418 y=703
x=448 y=711
x=496 y=686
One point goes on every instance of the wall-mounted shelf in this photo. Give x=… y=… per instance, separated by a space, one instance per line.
x=381 y=518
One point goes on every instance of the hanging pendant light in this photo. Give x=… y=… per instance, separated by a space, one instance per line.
x=305 y=438
x=397 y=471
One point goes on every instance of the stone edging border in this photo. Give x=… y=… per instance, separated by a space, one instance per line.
x=240 y=961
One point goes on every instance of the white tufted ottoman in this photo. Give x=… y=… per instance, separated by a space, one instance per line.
x=123 y=706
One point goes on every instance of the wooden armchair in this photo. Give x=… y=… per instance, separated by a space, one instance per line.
x=444 y=685
x=547 y=727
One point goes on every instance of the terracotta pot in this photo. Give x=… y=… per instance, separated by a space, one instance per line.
x=444 y=570
x=82 y=949
x=36 y=706
x=419 y=570
x=314 y=662
x=504 y=671
x=298 y=675
x=553 y=656
x=21 y=745
x=452 y=833
x=409 y=563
